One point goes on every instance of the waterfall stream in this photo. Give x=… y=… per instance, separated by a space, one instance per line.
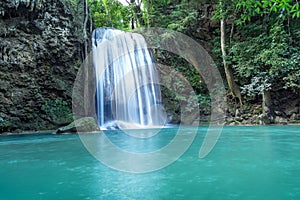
x=127 y=84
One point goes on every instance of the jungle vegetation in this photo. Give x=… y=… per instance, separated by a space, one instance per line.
x=255 y=46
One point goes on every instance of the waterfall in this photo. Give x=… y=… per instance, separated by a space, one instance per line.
x=127 y=85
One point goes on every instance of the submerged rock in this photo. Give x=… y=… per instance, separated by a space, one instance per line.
x=86 y=124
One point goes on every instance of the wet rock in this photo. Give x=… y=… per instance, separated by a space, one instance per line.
x=278 y=113
x=295 y=118
x=86 y=124
x=264 y=119
x=280 y=120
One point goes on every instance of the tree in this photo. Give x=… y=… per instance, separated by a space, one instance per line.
x=136 y=13
x=110 y=13
x=265 y=55
x=281 y=8
x=224 y=10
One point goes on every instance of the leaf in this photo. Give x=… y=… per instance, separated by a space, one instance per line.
x=257 y=10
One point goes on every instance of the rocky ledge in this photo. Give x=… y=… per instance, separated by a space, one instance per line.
x=39 y=52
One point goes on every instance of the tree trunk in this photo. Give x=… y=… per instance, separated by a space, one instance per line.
x=267 y=103
x=85 y=62
x=137 y=19
x=267 y=107
x=234 y=88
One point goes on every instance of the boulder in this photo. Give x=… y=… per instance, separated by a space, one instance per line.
x=280 y=120
x=82 y=125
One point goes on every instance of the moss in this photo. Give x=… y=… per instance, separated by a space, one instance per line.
x=4 y=125
x=86 y=124
x=58 y=111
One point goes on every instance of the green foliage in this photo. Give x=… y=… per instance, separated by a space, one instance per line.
x=110 y=13
x=265 y=60
x=243 y=11
x=264 y=52
x=280 y=8
x=225 y=9
x=4 y=125
x=185 y=68
x=292 y=78
x=258 y=85
x=156 y=13
x=181 y=16
x=58 y=110
x=204 y=102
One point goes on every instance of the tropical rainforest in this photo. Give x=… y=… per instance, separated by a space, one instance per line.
x=254 y=44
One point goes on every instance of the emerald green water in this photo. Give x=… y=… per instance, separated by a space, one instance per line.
x=246 y=163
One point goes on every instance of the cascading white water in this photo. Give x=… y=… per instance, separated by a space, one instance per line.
x=127 y=86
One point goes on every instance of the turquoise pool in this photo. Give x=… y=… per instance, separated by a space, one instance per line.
x=246 y=163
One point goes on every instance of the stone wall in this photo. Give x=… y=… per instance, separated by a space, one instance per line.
x=39 y=53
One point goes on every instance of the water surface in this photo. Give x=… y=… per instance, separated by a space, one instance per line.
x=246 y=163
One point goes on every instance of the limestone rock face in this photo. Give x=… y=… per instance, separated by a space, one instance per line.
x=38 y=55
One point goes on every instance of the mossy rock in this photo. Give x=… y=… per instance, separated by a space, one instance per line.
x=86 y=124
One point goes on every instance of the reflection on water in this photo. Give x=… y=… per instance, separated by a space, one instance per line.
x=246 y=163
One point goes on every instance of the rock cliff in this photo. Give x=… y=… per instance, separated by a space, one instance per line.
x=39 y=52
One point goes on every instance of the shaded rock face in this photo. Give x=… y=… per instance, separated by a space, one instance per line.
x=38 y=57
x=286 y=104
